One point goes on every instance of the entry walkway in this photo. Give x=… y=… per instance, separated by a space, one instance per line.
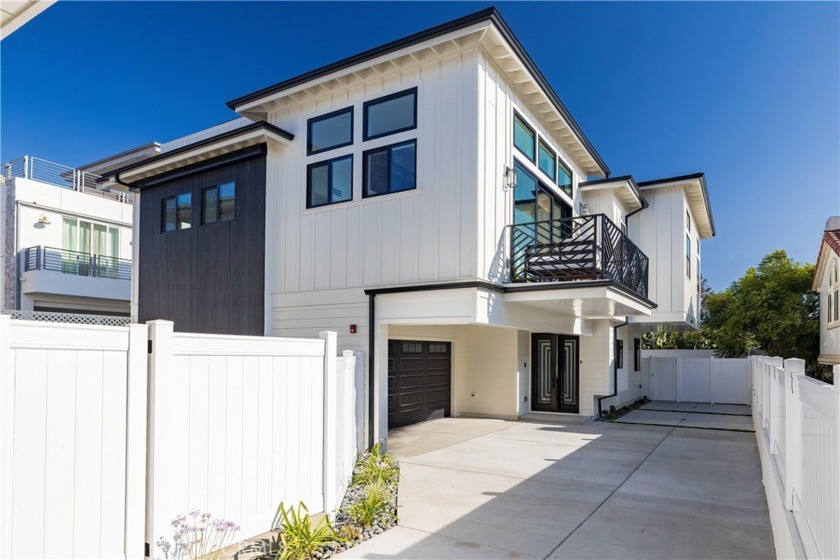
x=477 y=488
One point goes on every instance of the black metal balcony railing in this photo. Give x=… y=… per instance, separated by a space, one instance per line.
x=579 y=248
x=75 y=262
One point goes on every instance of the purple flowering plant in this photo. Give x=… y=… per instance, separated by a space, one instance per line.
x=197 y=535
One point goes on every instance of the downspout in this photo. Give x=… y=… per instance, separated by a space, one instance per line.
x=371 y=360
x=615 y=368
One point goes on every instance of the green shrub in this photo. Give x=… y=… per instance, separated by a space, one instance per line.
x=376 y=467
x=300 y=537
x=374 y=505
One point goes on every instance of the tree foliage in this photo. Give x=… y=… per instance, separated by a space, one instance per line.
x=771 y=308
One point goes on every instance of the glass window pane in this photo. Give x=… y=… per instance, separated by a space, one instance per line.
x=391 y=115
x=376 y=172
x=211 y=205
x=184 y=211
x=523 y=137
x=547 y=161
x=564 y=178
x=69 y=234
x=403 y=167
x=319 y=184
x=341 y=188
x=227 y=201
x=113 y=242
x=169 y=213
x=525 y=194
x=330 y=132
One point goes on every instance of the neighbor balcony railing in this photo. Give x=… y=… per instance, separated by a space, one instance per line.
x=75 y=262
x=37 y=169
x=579 y=248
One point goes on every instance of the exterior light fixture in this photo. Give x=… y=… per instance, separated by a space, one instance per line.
x=43 y=220
x=510 y=179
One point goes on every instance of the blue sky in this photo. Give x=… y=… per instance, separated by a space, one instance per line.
x=749 y=93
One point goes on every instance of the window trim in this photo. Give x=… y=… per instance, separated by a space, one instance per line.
x=315 y=120
x=533 y=157
x=388 y=147
x=384 y=99
x=328 y=163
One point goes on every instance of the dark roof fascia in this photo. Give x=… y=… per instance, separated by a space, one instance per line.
x=205 y=142
x=629 y=178
x=534 y=287
x=701 y=177
x=489 y=14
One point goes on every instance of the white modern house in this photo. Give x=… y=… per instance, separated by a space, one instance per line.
x=827 y=284
x=66 y=241
x=434 y=202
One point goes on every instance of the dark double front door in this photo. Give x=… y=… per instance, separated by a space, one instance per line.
x=555 y=378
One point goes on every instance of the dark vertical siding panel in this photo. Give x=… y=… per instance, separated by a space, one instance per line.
x=209 y=278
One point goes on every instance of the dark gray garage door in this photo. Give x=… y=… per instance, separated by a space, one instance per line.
x=419 y=375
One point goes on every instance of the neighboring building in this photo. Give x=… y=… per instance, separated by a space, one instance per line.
x=827 y=283
x=66 y=241
x=431 y=201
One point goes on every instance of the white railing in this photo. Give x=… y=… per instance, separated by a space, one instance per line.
x=797 y=420
x=37 y=169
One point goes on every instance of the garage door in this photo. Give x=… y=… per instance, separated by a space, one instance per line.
x=418 y=381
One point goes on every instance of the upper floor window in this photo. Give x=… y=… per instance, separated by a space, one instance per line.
x=688 y=255
x=687 y=221
x=390 y=114
x=328 y=182
x=329 y=131
x=564 y=178
x=218 y=203
x=81 y=236
x=534 y=202
x=524 y=137
x=390 y=169
x=833 y=300
x=176 y=212
x=547 y=161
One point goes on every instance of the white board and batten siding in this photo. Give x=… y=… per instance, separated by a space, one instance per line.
x=73 y=440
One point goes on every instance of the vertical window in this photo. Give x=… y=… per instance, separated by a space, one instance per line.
x=218 y=203
x=637 y=354
x=524 y=137
x=176 y=212
x=619 y=353
x=697 y=269
x=69 y=234
x=833 y=300
x=390 y=114
x=688 y=256
x=328 y=182
x=547 y=161
x=330 y=131
x=687 y=221
x=564 y=178
x=524 y=196
x=390 y=169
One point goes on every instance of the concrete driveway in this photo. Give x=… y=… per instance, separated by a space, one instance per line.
x=478 y=488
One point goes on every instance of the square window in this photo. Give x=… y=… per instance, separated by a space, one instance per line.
x=329 y=182
x=390 y=169
x=547 y=161
x=524 y=137
x=330 y=131
x=390 y=114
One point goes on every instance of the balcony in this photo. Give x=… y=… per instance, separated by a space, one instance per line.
x=41 y=170
x=577 y=249
x=48 y=270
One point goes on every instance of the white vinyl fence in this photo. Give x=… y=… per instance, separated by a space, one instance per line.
x=705 y=380
x=797 y=419
x=108 y=433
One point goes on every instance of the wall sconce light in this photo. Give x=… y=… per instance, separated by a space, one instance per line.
x=584 y=209
x=43 y=220
x=510 y=179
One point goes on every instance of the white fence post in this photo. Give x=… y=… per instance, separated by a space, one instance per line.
x=712 y=378
x=359 y=384
x=135 y=475
x=330 y=419
x=7 y=414
x=793 y=429
x=158 y=435
x=677 y=379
